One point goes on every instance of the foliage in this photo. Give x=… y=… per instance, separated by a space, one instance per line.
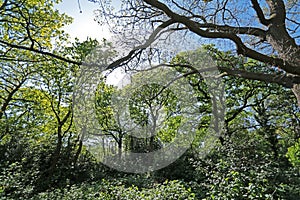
x=294 y=154
x=116 y=190
x=40 y=147
x=256 y=156
x=247 y=172
x=262 y=31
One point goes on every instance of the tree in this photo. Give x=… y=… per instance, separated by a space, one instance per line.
x=109 y=117
x=37 y=135
x=263 y=31
x=151 y=119
x=150 y=106
x=259 y=133
x=32 y=27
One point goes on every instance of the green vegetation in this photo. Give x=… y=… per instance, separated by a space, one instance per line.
x=45 y=154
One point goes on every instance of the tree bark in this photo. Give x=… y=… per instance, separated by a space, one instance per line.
x=296 y=91
x=282 y=42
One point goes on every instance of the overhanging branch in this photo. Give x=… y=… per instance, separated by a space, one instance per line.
x=40 y=52
x=195 y=27
x=236 y=30
x=148 y=42
x=260 y=13
x=285 y=80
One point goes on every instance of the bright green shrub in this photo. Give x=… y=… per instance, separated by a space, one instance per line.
x=293 y=154
x=108 y=190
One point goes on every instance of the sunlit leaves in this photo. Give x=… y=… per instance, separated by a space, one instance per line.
x=294 y=154
x=104 y=109
x=32 y=23
x=148 y=100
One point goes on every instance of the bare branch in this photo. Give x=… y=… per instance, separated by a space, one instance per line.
x=195 y=27
x=285 y=80
x=148 y=42
x=236 y=30
x=277 y=9
x=260 y=13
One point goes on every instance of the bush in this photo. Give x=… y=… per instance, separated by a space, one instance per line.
x=107 y=190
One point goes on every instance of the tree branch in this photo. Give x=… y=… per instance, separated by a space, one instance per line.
x=10 y=97
x=195 y=27
x=3 y=5
x=40 y=52
x=148 y=42
x=285 y=80
x=260 y=13
x=236 y=30
x=277 y=11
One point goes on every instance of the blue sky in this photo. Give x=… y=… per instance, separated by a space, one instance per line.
x=83 y=25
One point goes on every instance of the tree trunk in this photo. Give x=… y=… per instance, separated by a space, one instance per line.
x=120 y=149
x=56 y=154
x=286 y=46
x=296 y=91
x=78 y=153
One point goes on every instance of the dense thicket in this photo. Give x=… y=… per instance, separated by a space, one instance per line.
x=43 y=156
